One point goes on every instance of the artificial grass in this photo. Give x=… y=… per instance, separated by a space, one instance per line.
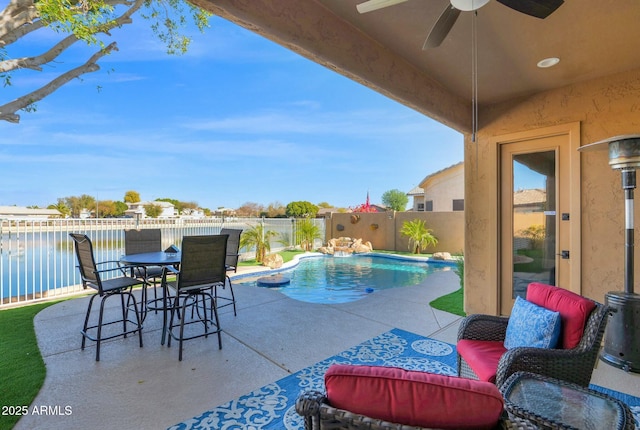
x=452 y=303
x=20 y=360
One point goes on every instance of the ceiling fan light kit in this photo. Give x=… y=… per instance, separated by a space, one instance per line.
x=468 y=5
x=536 y=8
x=446 y=20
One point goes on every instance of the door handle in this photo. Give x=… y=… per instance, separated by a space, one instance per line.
x=564 y=254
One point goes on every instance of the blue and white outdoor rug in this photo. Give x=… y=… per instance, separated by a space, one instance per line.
x=272 y=407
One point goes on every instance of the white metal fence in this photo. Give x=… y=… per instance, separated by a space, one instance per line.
x=37 y=259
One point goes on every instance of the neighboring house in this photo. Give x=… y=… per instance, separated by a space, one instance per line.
x=325 y=212
x=8 y=212
x=442 y=191
x=530 y=200
x=221 y=212
x=137 y=210
x=192 y=213
x=528 y=213
x=416 y=195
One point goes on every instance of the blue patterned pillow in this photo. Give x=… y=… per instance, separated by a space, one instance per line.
x=532 y=326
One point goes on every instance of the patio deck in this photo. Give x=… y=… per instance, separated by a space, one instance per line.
x=272 y=336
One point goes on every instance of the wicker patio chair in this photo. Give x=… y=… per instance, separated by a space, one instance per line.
x=201 y=269
x=318 y=414
x=119 y=286
x=571 y=365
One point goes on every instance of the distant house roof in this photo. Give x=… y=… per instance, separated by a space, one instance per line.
x=530 y=196
x=416 y=191
x=326 y=211
x=157 y=203
x=20 y=211
x=432 y=175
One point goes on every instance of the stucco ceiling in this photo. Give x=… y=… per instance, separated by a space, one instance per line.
x=383 y=48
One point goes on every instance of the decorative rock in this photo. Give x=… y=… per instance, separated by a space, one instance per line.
x=273 y=261
x=345 y=246
x=441 y=256
x=361 y=249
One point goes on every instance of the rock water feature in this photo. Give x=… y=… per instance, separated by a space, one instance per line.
x=345 y=247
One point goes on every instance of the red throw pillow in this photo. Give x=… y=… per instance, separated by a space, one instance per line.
x=574 y=310
x=414 y=398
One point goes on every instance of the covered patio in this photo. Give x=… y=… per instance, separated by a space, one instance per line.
x=591 y=95
x=271 y=337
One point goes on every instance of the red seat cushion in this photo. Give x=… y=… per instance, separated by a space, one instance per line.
x=414 y=398
x=573 y=308
x=482 y=356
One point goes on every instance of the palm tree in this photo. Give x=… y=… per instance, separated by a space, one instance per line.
x=419 y=235
x=306 y=233
x=62 y=208
x=256 y=237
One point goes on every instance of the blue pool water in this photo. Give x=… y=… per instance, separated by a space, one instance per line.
x=328 y=279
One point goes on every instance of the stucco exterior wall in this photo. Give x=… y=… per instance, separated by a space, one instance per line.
x=448 y=227
x=603 y=108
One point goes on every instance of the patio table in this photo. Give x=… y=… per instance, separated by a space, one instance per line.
x=158 y=258
x=555 y=404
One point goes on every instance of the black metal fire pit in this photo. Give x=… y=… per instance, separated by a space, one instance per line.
x=622 y=335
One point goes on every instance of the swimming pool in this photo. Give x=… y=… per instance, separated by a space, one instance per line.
x=328 y=279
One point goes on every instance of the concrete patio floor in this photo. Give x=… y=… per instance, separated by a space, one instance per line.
x=271 y=337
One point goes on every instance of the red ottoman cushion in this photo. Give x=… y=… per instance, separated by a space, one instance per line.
x=482 y=356
x=573 y=308
x=414 y=398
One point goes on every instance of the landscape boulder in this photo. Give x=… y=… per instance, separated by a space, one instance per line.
x=441 y=256
x=273 y=261
x=346 y=246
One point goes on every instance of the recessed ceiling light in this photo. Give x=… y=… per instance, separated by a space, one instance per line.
x=548 y=62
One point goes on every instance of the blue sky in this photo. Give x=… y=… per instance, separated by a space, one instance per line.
x=237 y=119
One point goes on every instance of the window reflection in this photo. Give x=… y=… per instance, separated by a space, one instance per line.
x=534 y=219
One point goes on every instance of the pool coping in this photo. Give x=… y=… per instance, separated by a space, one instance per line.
x=263 y=270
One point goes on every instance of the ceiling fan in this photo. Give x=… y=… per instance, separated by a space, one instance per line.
x=536 y=8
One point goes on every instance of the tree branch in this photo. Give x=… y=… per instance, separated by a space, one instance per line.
x=8 y=110
x=16 y=14
x=34 y=63
x=21 y=17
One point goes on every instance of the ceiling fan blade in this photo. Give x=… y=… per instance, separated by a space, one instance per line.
x=372 y=5
x=441 y=28
x=538 y=8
